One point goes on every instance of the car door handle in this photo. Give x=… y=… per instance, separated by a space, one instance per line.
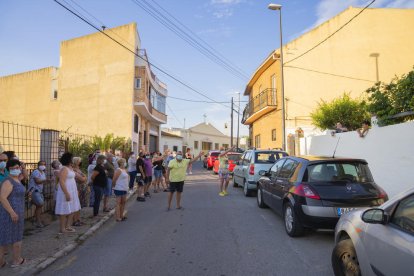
x=279 y=181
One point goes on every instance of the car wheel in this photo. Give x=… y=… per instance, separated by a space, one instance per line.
x=344 y=259
x=246 y=190
x=292 y=226
x=235 y=185
x=260 y=201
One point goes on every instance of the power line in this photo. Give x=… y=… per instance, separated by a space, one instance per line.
x=166 y=22
x=176 y=117
x=200 y=39
x=323 y=41
x=326 y=73
x=199 y=101
x=133 y=52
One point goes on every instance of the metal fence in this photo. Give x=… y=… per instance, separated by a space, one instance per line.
x=32 y=144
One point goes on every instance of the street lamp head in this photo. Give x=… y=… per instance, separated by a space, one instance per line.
x=274 y=7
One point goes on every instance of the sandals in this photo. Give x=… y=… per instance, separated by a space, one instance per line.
x=124 y=218
x=70 y=230
x=17 y=265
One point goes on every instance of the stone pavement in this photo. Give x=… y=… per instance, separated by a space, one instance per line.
x=43 y=246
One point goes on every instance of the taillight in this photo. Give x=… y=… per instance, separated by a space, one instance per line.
x=306 y=191
x=382 y=194
x=251 y=169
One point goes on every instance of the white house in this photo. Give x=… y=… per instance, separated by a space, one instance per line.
x=171 y=141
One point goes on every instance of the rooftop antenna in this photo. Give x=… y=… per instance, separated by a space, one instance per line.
x=205 y=118
x=337 y=143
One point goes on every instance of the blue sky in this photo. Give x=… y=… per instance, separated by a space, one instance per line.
x=244 y=31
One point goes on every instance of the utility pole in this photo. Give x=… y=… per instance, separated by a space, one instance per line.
x=238 y=123
x=231 y=124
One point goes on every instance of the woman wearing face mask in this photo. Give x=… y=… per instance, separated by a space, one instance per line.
x=67 y=199
x=12 y=195
x=132 y=169
x=36 y=182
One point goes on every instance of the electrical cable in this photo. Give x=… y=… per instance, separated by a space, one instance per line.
x=326 y=73
x=166 y=22
x=133 y=52
x=176 y=117
x=340 y=28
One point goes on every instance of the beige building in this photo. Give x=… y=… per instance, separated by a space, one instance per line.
x=375 y=46
x=202 y=137
x=98 y=88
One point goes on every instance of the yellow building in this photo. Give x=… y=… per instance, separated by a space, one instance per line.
x=375 y=46
x=99 y=88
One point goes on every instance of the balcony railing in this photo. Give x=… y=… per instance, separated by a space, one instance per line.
x=266 y=98
x=143 y=53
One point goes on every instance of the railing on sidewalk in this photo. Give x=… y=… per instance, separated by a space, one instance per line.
x=32 y=144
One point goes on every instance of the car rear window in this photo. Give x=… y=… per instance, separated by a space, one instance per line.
x=234 y=157
x=215 y=154
x=268 y=157
x=338 y=171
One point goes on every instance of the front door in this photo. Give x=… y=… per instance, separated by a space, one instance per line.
x=153 y=143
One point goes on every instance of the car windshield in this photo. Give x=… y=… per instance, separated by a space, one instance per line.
x=234 y=157
x=338 y=171
x=215 y=154
x=268 y=157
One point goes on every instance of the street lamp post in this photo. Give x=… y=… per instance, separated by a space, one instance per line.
x=279 y=8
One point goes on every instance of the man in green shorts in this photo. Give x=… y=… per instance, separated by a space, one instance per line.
x=176 y=175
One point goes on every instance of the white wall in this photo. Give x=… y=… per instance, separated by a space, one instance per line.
x=170 y=142
x=388 y=150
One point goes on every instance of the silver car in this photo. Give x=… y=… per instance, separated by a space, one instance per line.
x=377 y=241
x=246 y=172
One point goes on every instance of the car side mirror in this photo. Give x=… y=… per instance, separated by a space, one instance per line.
x=375 y=216
x=263 y=173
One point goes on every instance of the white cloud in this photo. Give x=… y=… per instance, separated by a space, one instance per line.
x=223 y=13
x=223 y=8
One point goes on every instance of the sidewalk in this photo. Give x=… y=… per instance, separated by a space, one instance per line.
x=41 y=247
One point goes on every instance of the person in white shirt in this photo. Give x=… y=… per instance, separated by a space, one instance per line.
x=132 y=169
x=120 y=185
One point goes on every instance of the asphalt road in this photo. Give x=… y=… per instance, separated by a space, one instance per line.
x=213 y=235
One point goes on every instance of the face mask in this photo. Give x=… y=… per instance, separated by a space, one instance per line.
x=113 y=159
x=94 y=162
x=42 y=168
x=105 y=161
x=2 y=165
x=60 y=167
x=133 y=156
x=147 y=156
x=179 y=157
x=15 y=172
x=15 y=157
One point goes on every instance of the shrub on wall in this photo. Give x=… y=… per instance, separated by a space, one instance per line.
x=388 y=99
x=350 y=112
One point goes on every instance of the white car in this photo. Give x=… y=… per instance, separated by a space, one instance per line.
x=376 y=241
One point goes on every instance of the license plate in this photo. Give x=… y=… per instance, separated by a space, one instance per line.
x=341 y=211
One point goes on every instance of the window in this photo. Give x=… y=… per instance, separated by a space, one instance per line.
x=145 y=137
x=226 y=146
x=335 y=171
x=274 y=171
x=404 y=215
x=216 y=146
x=247 y=158
x=257 y=141
x=288 y=169
x=175 y=148
x=268 y=157
x=195 y=144
x=55 y=94
x=137 y=83
x=206 y=146
x=274 y=134
x=136 y=121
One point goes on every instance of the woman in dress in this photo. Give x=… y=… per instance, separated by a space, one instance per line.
x=120 y=184
x=82 y=187
x=12 y=197
x=36 y=182
x=67 y=200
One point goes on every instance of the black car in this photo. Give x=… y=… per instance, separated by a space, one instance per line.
x=313 y=192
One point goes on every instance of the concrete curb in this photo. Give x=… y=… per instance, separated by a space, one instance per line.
x=73 y=245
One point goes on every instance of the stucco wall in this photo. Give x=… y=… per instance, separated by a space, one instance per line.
x=388 y=150
x=97 y=84
x=27 y=98
x=169 y=143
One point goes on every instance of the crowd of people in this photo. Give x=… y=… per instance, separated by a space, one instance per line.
x=74 y=189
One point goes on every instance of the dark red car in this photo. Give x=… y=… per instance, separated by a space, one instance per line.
x=233 y=158
x=208 y=162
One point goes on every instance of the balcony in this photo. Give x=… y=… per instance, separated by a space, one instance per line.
x=143 y=106
x=260 y=105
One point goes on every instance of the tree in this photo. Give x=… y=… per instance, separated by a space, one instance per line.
x=343 y=109
x=385 y=100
